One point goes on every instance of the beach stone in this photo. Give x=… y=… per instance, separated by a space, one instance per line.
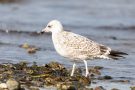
x=132 y=88
x=31 y=50
x=94 y=71
x=65 y=86
x=12 y=84
x=115 y=89
x=86 y=81
x=84 y=88
x=34 y=88
x=25 y=46
x=99 y=88
x=3 y=86
x=105 y=77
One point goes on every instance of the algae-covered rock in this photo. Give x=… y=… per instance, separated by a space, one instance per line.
x=66 y=86
x=51 y=74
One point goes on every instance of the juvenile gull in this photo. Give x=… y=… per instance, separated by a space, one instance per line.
x=77 y=47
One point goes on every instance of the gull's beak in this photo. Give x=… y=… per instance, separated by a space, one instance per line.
x=43 y=31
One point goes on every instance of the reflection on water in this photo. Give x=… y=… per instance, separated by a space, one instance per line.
x=108 y=22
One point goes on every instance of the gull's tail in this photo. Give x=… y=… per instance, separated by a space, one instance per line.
x=116 y=54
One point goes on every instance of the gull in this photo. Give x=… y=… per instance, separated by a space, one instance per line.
x=77 y=47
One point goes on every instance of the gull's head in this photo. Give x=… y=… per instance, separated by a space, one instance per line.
x=53 y=26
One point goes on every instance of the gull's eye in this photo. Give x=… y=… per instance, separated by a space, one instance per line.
x=49 y=26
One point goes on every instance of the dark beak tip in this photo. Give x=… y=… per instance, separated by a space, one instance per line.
x=42 y=32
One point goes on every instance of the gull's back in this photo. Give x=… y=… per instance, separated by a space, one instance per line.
x=75 y=46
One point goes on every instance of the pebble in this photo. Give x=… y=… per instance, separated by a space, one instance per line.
x=3 y=86
x=12 y=84
x=115 y=89
x=105 y=78
x=99 y=88
x=31 y=50
x=132 y=88
x=66 y=86
x=25 y=46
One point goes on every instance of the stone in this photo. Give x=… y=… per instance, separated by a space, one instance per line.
x=99 y=88
x=12 y=84
x=132 y=88
x=3 y=86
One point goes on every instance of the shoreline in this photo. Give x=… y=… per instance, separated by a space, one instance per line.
x=56 y=75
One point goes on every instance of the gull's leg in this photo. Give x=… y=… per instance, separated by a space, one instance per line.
x=73 y=69
x=86 y=67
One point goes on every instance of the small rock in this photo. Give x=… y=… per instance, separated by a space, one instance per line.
x=105 y=78
x=114 y=89
x=66 y=86
x=85 y=88
x=25 y=46
x=31 y=50
x=114 y=38
x=123 y=81
x=86 y=81
x=94 y=71
x=3 y=86
x=132 y=88
x=98 y=67
x=34 y=88
x=99 y=88
x=12 y=84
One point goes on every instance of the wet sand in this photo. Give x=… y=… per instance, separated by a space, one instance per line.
x=108 y=22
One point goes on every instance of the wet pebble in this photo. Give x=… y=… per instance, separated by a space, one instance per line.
x=8 y=1
x=66 y=86
x=132 y=88
x=94 y=71
x=86 y=81
x=30 y=49
x=123 y=81
x=3 y=86
x=98 y=67
x=25 y=46
x=12 y=84
x=115 y=89
x=99 y=88
x=105 y=77
x=34 y=88
x=114 y=38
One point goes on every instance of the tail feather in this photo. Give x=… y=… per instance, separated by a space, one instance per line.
x=117 y=54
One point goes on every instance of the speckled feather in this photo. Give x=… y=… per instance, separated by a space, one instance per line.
x=75 y=46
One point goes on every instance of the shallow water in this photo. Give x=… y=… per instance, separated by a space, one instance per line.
x=108 y=22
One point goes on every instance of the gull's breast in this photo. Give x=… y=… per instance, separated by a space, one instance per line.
x=60 y=46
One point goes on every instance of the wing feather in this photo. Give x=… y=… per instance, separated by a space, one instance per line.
x=80 y=44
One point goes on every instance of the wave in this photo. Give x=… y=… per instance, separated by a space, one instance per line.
x=22 y=32
x=132 y=27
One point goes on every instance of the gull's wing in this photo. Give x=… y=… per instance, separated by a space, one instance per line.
x=81 y=45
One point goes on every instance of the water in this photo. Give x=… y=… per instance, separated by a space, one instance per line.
x=100 y=21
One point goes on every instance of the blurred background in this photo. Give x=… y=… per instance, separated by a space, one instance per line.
x=110 y=22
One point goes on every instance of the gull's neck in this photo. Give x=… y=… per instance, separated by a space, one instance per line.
x=57 y=31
